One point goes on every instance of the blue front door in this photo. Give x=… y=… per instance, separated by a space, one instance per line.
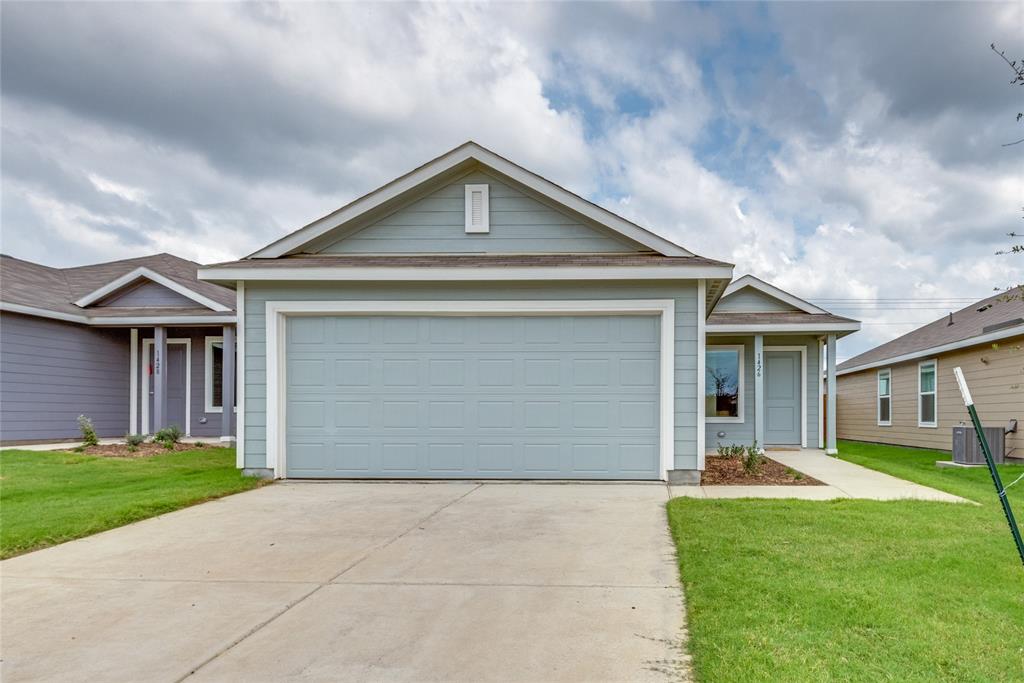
x=782 y=397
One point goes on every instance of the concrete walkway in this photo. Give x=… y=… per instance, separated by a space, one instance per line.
x=842 y=480
x=360 y=581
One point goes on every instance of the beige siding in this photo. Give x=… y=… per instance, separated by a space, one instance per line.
x=995 y=375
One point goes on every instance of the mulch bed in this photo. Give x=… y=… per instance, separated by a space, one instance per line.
x=146 y=450
x=719 y=471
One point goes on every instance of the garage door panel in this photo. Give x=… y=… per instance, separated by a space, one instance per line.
x=540 y=397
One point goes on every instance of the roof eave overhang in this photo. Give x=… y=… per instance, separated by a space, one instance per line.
x=119 y=321
x=229 y=274
x=998 y=335
x=458 y=157
x=839 y=329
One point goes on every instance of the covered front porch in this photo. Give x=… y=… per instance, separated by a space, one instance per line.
x=183 y=377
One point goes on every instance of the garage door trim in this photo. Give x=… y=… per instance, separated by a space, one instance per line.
x=278 y=311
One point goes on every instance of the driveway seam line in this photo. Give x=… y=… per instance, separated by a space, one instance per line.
x=302 y=599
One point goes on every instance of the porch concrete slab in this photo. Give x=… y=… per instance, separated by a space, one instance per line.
x=396 y=632
x=284 y=532
x=856 y=481
x=801 y=492
x=101 y=630
x=572 y=535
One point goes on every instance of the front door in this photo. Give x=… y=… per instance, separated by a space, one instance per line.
x=782 y=397
x=176 y=387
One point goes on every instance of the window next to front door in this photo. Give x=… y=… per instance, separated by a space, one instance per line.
x=723 y=385
x=927 y=407
x=885 y=398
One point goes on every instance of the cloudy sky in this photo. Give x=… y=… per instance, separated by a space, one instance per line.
x=846 y=152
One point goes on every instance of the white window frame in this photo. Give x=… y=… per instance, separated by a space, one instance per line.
x=208 y=376
x=878 y=397
x=934 y=363
x=277 y=313
x=742 y=382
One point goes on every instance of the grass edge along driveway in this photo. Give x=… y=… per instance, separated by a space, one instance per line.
x=854 y=590
x=49 y=497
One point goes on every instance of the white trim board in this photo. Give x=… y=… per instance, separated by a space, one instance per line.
x=145 y=273
x=1006 y=333
x=147 y=345
x=116 y=321
x=240 y=376
x=772 y=291
x=804 y=394
x=462 y=156
x=133 y=382
x=465 y=274
x=702 y=314
x=278 y=311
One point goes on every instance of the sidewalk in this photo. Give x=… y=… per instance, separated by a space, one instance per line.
x=842 y=480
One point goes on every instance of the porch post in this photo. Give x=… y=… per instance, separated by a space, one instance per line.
x=159 y=378
x=227 y=384
x=830 y=445
x=759 y=389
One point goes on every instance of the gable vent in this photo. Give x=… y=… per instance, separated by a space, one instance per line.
x=477 y=209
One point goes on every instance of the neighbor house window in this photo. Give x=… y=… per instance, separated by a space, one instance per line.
x=926 y=407
x=723 y=384
x=214 y=375
x=885 y=398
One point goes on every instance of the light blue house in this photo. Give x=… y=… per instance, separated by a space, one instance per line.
x=472 y=319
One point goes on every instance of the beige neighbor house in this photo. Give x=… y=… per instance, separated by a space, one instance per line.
x=904 y=392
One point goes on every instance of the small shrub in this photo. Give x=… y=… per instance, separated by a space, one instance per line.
x=89 y=437
x=133 y=441
x=731 y=451
x=168 y=436
x=752 y=459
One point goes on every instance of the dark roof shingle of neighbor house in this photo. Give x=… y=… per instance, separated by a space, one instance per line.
x=56 y=289
x=999 y=311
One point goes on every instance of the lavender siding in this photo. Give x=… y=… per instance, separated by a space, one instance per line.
x=51 y=372
x=146 y=294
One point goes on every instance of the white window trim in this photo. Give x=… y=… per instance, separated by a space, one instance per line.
x=147 y=351
x=934 y=362
x=484 y=226
x=878 y=397
x=277 y=313
x=742 y=382
x=208 y=376
x=805 y=395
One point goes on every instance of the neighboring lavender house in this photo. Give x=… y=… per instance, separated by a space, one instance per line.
x=473 y=319
x=135 y=345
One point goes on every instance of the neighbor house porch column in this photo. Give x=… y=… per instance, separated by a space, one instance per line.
x=759 y=389
x=830 y=443
x=227 y=387
x=159 y=378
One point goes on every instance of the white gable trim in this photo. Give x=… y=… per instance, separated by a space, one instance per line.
x=143 y=272
x=460 y=155
x=772 y=291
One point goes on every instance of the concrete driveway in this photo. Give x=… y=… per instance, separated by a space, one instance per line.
x=360 y=581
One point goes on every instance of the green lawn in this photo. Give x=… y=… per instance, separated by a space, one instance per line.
x=856 y=590
x=51 y=497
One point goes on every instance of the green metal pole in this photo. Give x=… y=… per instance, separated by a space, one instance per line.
x=996 y=479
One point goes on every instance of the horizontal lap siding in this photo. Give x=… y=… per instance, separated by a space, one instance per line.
x=994 y=374
x=51 y=372
x=518 y=224
x=257 y=294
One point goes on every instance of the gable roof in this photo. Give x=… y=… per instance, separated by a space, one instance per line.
x=749 y=281
x=461 y=158
x=997 y=317
x=65 y=293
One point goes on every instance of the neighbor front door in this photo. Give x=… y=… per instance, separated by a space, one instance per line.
x=782 y=397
